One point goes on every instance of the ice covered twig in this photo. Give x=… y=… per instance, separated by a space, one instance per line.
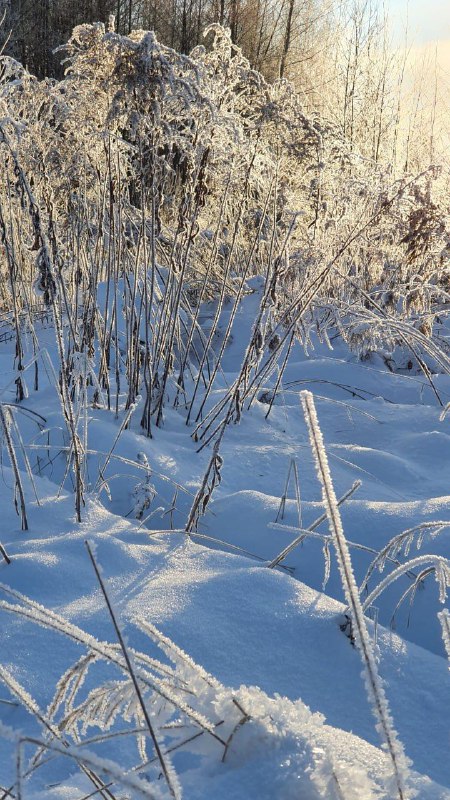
x=363 y=641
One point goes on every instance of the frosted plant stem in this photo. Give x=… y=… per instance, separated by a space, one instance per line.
x=4 y=554
x=444 y=619
x=276 y=561
x=46 y=619
x=298 y=499
x=29 y=703
x=363 y=641
x=48 y=271
x=15 y=467
x=122 y=427
x=236 y=305
x=210 y=478
x=226 y=272
x=440 y=566
x=280 y=374
x=174 y=791
x=238 y=390
x=211 y=264
x=402 y=540
x=25 y=457
x=90 y=762
x=282 y=506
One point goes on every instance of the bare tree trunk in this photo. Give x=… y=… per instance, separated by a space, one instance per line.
x=287 y=39
x=199 y=21
x=234 y=18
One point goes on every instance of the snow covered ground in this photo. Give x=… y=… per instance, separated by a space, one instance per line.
x=246 y=625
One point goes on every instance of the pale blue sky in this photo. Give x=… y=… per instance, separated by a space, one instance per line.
x=429 y=20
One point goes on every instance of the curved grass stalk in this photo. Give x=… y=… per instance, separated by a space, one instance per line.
x=441 y=567
x=402 y=541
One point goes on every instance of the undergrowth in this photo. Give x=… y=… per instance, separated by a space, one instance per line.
x=142 y=186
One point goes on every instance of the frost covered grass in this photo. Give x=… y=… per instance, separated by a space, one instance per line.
x=97 y=712
x=162 y=295
x=150 y=490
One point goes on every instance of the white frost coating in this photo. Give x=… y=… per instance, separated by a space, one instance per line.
x=76 y=673
x=441 y=569
x=444 y=619
x=403 y=541
x=26 y=699
x=49 y=619
x=363 y=641
x=282 y=724
x=88 y=759
x=327 y=558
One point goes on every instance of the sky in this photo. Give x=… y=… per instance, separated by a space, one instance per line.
x=429 y=20
x=428 y=30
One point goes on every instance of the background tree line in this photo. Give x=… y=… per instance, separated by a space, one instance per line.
x=266 y=30
x=339 y=54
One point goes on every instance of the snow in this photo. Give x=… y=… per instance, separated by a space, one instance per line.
x=270 y=638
